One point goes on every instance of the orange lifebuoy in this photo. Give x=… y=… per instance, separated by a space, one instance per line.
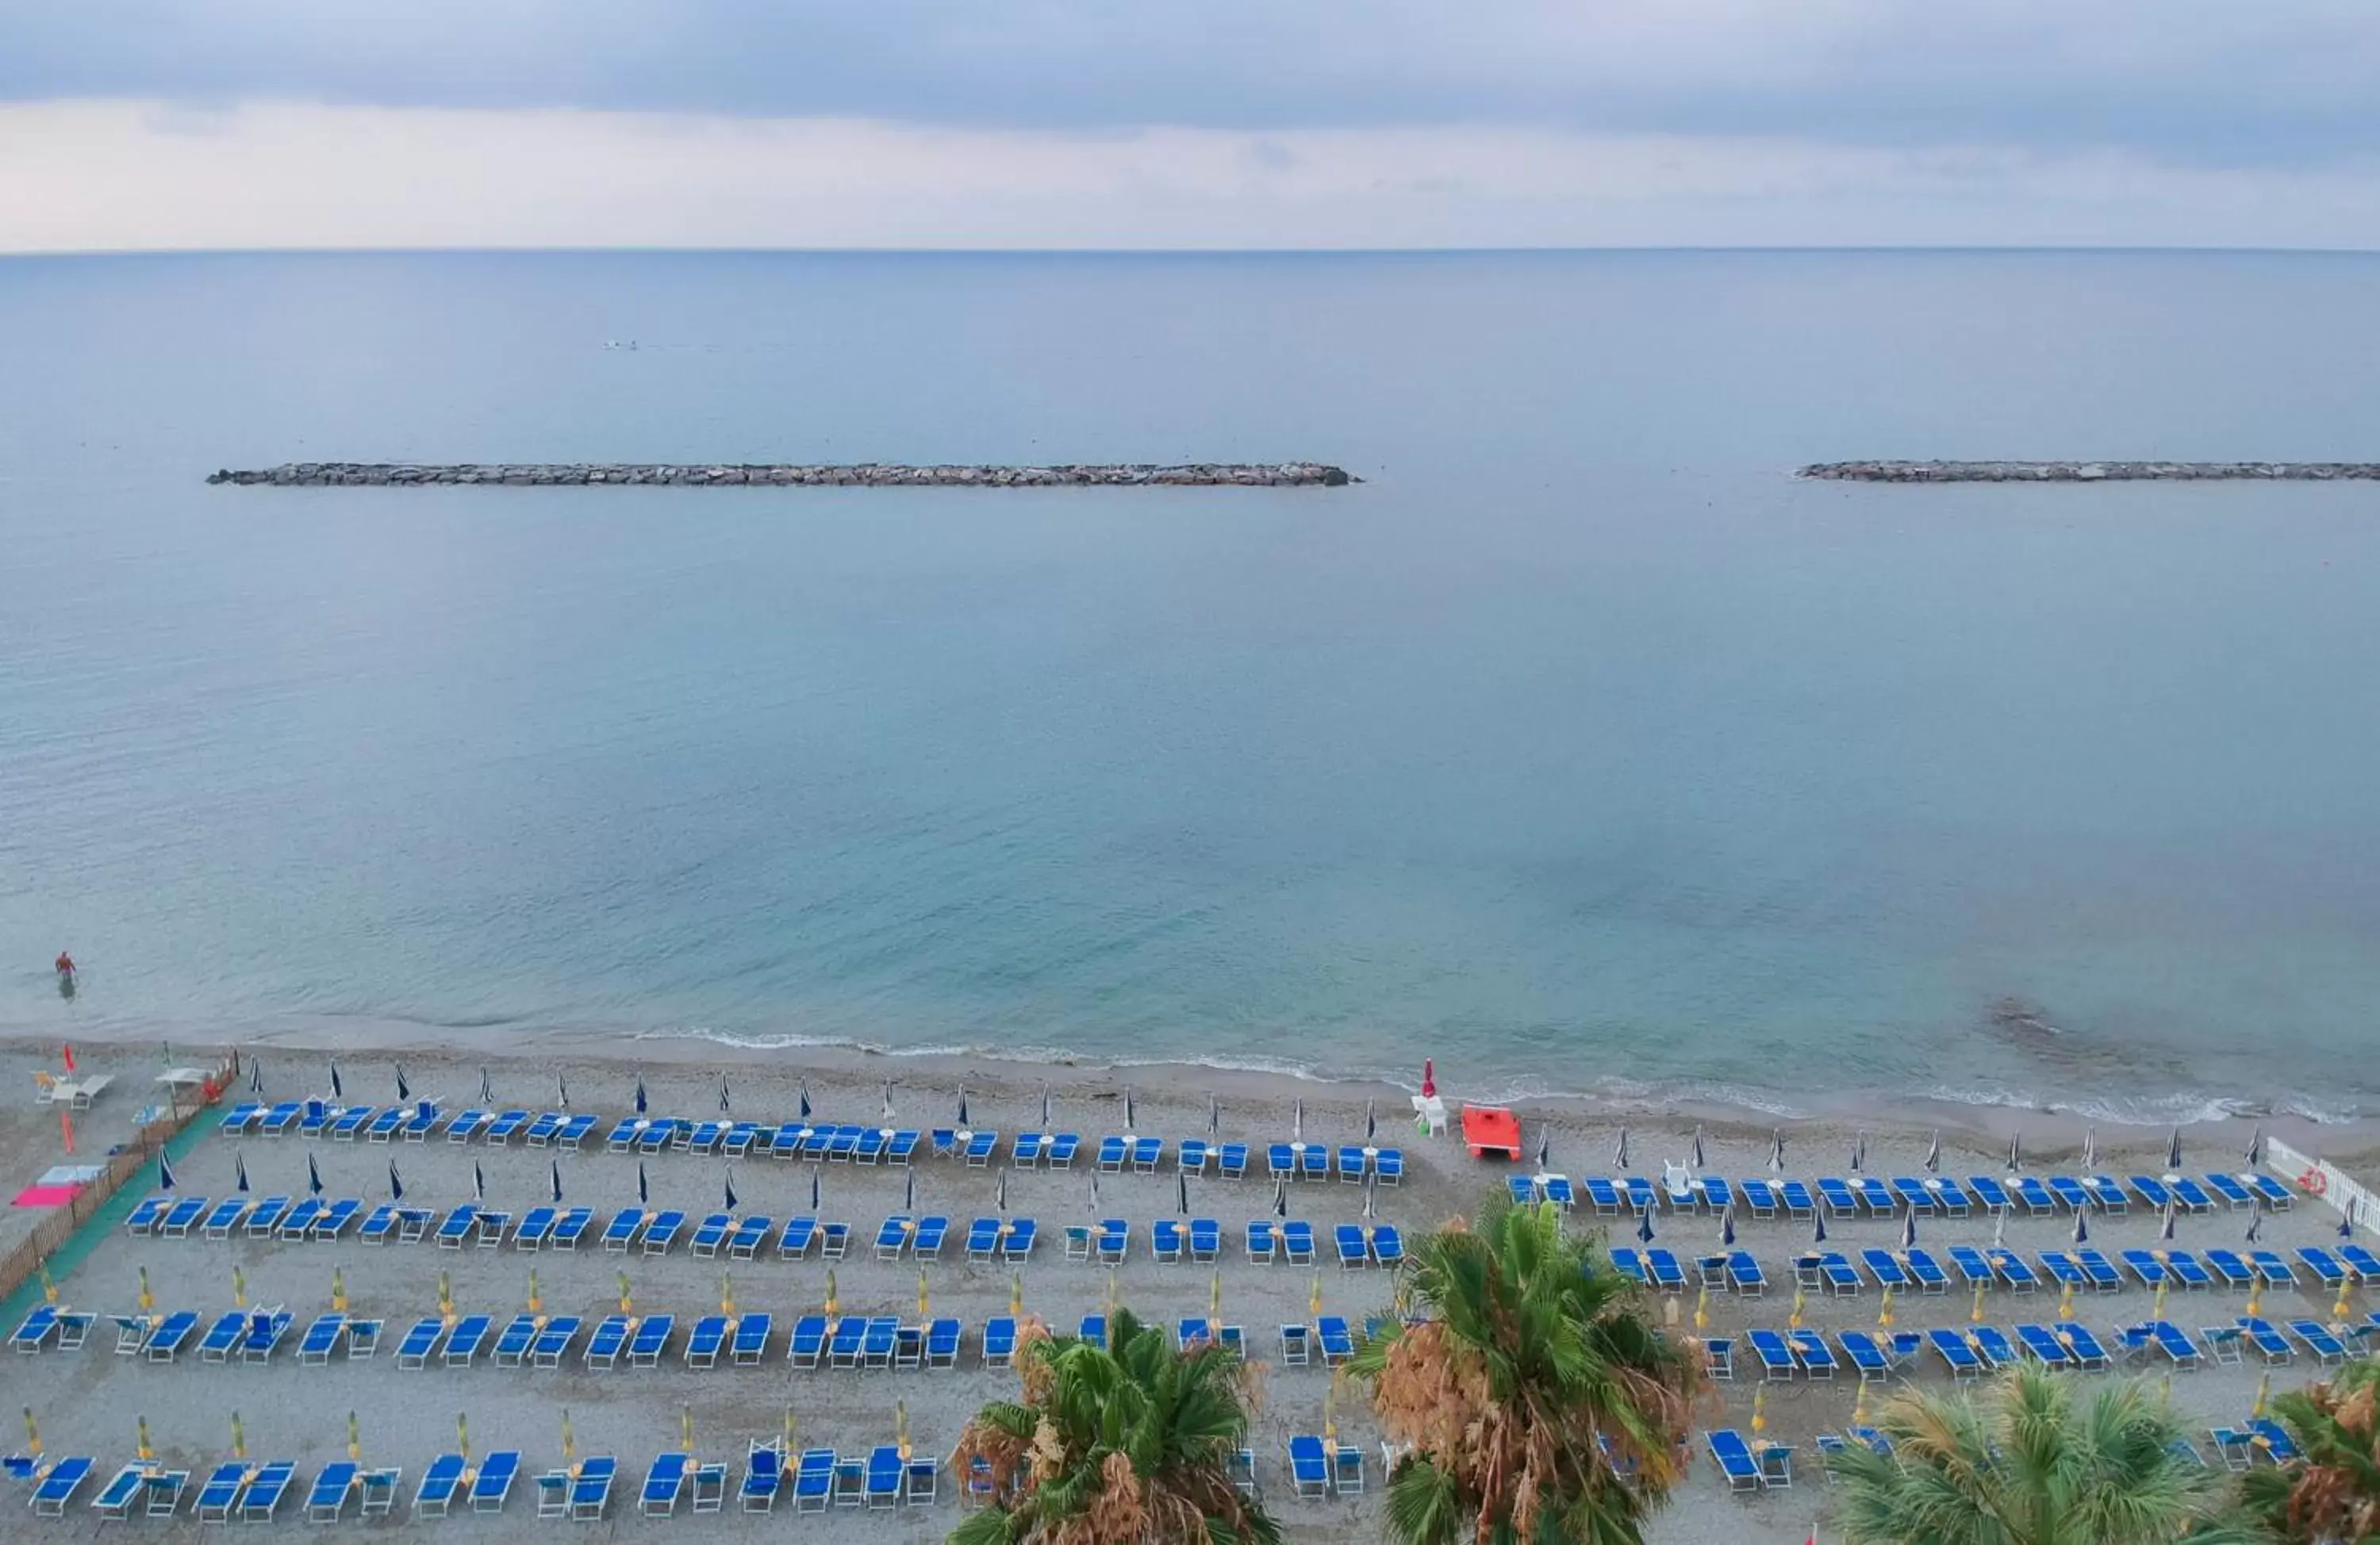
x=2313 y=1182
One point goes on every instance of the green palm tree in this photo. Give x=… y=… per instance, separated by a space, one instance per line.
x=2037 y=1458
x=2335 y=1492
x=1537 y=1401
x=1127 y=1444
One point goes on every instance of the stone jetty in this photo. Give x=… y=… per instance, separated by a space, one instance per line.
x=2092 y=472
x=712 y=475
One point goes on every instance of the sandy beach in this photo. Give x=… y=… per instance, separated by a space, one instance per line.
x=87 y=1402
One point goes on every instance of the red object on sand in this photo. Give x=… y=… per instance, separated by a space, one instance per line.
x=1491 y=1131
x=45 y=1196
x=1429 y=1077
x=70 y=1067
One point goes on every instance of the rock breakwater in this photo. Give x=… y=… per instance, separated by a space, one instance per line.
x=712 y=475
x=2092 y=472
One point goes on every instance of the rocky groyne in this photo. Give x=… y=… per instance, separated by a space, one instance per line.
x=2092 y=472
x=712 y=475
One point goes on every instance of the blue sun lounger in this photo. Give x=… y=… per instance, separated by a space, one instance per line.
x=1309 y=1468
x=710 y=1235
x=145 y=1217
x=764 y=1476
x=1347 y=1238
x=750 y=1234
x=1840 y=1200
x=242 y=1116
x=2107 y=1194
x=501 y=1130
x=421 y=1343
x=465 y=1125
x=333 y=1219
x=263 y=1498
x=2175 y=1343
x=1925 y=1271
x=1732 y=1455
x=605 y=1343
x=2072 y=1194
x=2278 y=1197
x=223 y=1217
x=299 y=1221
x=2319 y=1339
x=2186 y=1271
x=535 y=1225
x=279 y=1117
x=349 y=1122
x=2361 y=1262
x=55 y=1490
x=662 y=1232
x=382 y=1128
x=35 y=1329
x=1335 y=1339
x=1776 y=1354
x=2270 y=1344
x=664 y=1484
x=1993 y=1196
x=751 y=1339
x=705 y=1340
x=434 y=1495
x=463 y=1342
x=797 y=1240
x=1869 y=1356
x=2063 y=1269
x=553 y=1342
x=514 y=1340
x=647 y=1346
x=1883 y=1265
x=2327 y=1271
x=421 y=1123
x=457 y=1228
x=2235 y=1196
x=2044 y=1347
x=182 y=1217
x=328 y=1497
x=222 y=1337
x=263 y=1219
x=625 y=1224
x=590 y=1490
x=1956 y=1354
x=218 y=1498
x=2089 y=1355
x=171 y=1334
x=493 y=1484
x=1602 y=1195
x=2144 y=1265
x=1993 y=1346
x=266 y=1328
x=1263 y=1241
x=122 y=1492
x=1913 y=1195
x=2150 y=1190
x=2275 y=1271
x=379 y=1228
x=2228 y=1265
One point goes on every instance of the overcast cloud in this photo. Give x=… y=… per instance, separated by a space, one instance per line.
x=134 y=123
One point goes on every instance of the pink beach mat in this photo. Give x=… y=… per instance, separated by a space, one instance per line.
x=45 y=1196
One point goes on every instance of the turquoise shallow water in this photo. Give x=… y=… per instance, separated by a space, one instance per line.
x=1580 y=742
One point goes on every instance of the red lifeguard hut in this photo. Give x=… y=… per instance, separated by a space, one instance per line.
x=1491 y=1132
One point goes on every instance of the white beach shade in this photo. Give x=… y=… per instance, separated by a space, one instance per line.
x=2090 y=1147
x=1297 y=1120
x=1214 y=1116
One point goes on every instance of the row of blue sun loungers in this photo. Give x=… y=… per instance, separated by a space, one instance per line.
x=1749 y=1467
x=1968 y=1266
x=1927 y=1196
x=418 y=1122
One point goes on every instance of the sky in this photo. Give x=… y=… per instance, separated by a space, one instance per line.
x=1188 y=124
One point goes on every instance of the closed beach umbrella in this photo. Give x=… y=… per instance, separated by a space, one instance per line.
x=569 y=1439
x=1726 y=1227
x=239 y=1172
x=2082 y=1227
x=238 y=1436
x=962 y=1114
x=536 y=1296
x=1297 y=1120
x=1371 y=1198
x=909 y=1193
x=2173 y=1151
x=1620 y=1152
x=814 y=1192
x=1214 y=1116
x=2066 y=1303
x=1280 y=1198
x=556 y=1165
x=833 y=1300
x=1371 y=1121
x=1702 y=1308
x=165 y=1171
x=1819 y=1226
x=2156 y=1303
x=339 y=1289
x=2264 y=1395
x=355 y=1440
x=728 y=1186
x=147 y=1301
x=314 y=1177
x=562 y=1091
x=1181 y=1193
x=255 y=1076
x=1313 y=1297
x=1976 y=1314
x=1130 y=1111
x=1800 y=1301
x=478 y=1182
x=628 y=1299
x=1016 y=1295
x=1546 y=1152
x=685 y=1428
x=1934 y=1155
x=1777 y=1152
x=925 y=1300
x=888 y=1101
x=140 y=1441
x=806 y=1097
x=2256 y=1219
x=999 y=1195
x=1095 y=1193
x=49 y=1289
x=445 y=1295
x=462 y=1436
x=1045 y=1105
x=2090 y=1147
x=2256 y=1147
x=726 y=1295
x=1759 y=1410
x=644 y=1187
x=1112 y=1294
x=1859 y=1404
x=1698 y=1146
x=1999 y=1228
x=1884 y=1310
x=1909 y=1230
x=239 y=1288
x=2346 y=1226
x=1645 y=1226
x=404 y=1089
x=2164 y=1230
x=2016 y=1153
x=788 y=1430
x=640 y=1095
x=722 y=1094
x=1857 y=1148
x=487 y=1088
x=338 y=1089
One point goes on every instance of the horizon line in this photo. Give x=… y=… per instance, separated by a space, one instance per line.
x=1448 y=251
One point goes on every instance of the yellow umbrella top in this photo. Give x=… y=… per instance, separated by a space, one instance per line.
x=1759 y=1410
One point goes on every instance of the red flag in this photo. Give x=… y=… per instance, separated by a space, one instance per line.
x=70 y=1067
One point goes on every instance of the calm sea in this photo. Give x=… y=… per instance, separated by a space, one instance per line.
x=1581 y=745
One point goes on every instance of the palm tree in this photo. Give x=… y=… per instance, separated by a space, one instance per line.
x=1538 y=1402
x=1127 y=1446
x=2038 y=1459
x=2335 y=1492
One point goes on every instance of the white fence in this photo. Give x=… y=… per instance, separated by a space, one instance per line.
x=2330 y=1183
